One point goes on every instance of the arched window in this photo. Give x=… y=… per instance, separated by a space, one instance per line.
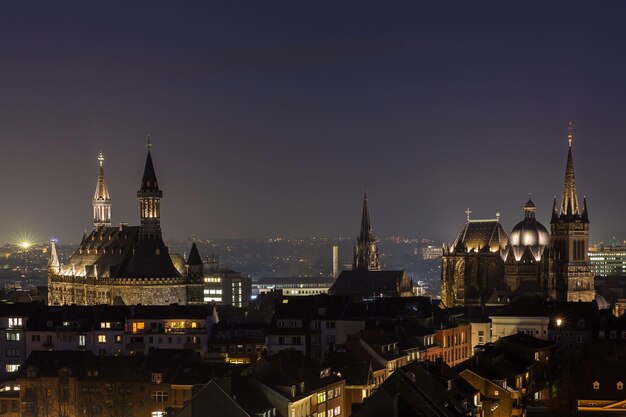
x=620 y=385
x=596 y=385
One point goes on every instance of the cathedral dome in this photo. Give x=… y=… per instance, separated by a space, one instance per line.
x=529 y=232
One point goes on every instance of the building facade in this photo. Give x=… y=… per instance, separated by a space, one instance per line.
x=484 y=258
x=125 y=264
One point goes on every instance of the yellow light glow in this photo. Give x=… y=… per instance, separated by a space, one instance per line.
x=25 y=244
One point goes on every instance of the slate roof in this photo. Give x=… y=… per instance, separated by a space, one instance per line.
x=608 y=373
x=194 y=256
x=368 y=282
x=212 y=401
x=118 y=252
x=149 y=180
x=412 y=392
x=479 y=234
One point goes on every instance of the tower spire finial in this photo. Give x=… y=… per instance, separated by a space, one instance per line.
x=101 y=198
x=149 y=142
x=569 y=204
x=570 y=133
x=468 y=212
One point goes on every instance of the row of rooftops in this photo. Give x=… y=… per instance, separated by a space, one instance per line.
x=41 y=317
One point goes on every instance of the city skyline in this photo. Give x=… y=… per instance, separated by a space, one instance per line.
x=260 y=134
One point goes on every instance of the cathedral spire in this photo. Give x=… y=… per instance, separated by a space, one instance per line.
x=569 y=203
x=149 y=196
x=366 y=255
x=366 y=227
x=101 y=199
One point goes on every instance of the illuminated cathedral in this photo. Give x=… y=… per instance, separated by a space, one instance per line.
x=125 y=264
x=485 y=259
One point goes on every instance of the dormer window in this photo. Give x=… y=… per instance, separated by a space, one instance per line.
x=596 y=385
x=620 y=385
x=157 y=378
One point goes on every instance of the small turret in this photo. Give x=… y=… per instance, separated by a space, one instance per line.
x=195 y=266
x=54 y=266
x=101 y=199
x=149 y=196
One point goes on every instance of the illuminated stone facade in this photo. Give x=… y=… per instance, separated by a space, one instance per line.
x=529 y=257
x=484 y=258
x=570 y=238
x=125 y=264
x=472 y=267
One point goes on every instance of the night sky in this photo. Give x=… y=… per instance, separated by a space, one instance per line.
x=269 y=117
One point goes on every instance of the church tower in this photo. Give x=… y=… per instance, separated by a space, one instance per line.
x=54 y=266
x=570 y=239
x=149 y=196
x=366 y=255
x=101 y=199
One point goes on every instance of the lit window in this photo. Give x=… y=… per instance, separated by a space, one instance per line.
x=12 y=368
x=138 y=327
x=157 y=378
x=620 y=385
x=118 y=338
x=13 y=337
x=596 y=385
x=159 y=396
x=15 y=321
x=158 y=414
x=102 y=338
x=321 y=397
x=81 y=340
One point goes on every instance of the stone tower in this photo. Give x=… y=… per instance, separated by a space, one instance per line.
x=366 y=255
x=101 y=199
x=570 y=239
x=149 y=196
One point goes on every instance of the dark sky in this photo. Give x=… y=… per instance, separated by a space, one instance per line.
x=268 y=117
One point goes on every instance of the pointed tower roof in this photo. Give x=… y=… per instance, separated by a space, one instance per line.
x=53 y=261
x=102 y=191
x=569 y=202
x=366 y=227
x=194 y=256
x=149 y=180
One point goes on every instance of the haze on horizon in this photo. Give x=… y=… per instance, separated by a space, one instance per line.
x=268 y=118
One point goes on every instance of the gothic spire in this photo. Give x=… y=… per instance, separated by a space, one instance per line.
x=569 y=203
x=194 y=255
x=102 y=191
x=149 y=180
x=53 y=261
x=101 y=198
x=149 y=196
x=366 y=255
x=366 y=227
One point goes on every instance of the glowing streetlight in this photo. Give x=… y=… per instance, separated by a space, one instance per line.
x=559 y=322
